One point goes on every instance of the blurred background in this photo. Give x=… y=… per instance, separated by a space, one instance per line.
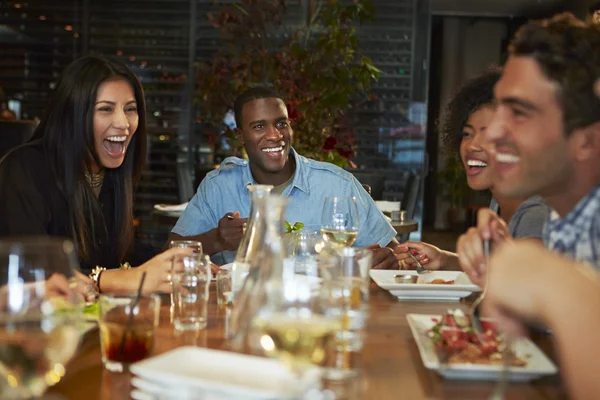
x=365 y=81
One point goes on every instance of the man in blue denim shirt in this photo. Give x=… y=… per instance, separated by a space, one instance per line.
x=213 y=214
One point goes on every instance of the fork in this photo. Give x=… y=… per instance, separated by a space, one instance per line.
x=420 y=269
x=500 y=389
x=502 y=384
x=475 y=321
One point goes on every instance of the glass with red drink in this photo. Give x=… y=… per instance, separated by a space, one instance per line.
x=127 y=329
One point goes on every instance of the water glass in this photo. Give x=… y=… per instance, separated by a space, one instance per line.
x=127 y=329
x=191 y=279
x=192 y=244
x=224 y=293
x=347 y=291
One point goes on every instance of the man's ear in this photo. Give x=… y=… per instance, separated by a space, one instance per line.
x=586 y=142
x=238 y=134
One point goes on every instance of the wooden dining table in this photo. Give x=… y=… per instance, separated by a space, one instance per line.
x=390 y=365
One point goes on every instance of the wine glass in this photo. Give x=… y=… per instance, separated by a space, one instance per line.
x=339 y=221
x=296 y=327
x=40 y=314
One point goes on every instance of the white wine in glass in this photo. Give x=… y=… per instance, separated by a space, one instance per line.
x=40 y=314
x=339 y=221
x=298 y=341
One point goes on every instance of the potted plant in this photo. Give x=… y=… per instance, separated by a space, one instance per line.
x=454 y=190
x=316 y=66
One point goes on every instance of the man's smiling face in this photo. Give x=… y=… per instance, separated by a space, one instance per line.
x=267 y=136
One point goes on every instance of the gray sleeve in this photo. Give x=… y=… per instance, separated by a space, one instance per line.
x=529 y=220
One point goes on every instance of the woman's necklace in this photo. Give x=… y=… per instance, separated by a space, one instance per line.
x=94 y=180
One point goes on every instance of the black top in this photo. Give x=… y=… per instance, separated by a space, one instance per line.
x=31 y=203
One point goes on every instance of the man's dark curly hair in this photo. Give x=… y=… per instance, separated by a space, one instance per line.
x=568 y=52
x=476 y=93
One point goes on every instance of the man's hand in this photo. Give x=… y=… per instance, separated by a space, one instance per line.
x=523 y=278
x=470 y=245
x=231 y=230
x=383 y=257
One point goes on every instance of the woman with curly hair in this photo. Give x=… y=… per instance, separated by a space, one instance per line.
x=462 y=125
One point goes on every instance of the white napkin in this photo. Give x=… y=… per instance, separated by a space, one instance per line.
x=171 y=207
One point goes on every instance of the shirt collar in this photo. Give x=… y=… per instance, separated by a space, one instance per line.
x=579 y=214
x=300 y=175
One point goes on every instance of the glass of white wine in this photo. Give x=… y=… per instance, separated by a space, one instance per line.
x=296 y=328
x=340 y=221
x=40 y=314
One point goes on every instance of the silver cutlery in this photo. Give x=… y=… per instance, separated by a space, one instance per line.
x=475 y=321
x=420 y=269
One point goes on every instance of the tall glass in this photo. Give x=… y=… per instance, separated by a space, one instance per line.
x=40 y=314
x=191 y=278
x=340 y=221
x=191 y=244
x=347 y=289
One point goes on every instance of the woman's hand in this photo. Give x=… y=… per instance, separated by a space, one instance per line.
x=158 y=270
x=85 y=287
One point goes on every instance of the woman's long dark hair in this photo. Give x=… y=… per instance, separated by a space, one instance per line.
x=67 y=135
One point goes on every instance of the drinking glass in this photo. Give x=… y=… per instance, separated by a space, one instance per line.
x=296 y=328
x=192 y=244
x=191 y=278
x=340 y=221
x=127 y=329
x=224 y=293
x=347 y=291
x=197 y=246
x=40 y=314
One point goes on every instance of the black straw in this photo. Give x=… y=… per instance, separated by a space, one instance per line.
x=130 y=319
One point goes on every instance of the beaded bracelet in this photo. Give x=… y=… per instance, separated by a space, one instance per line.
x=97 y=272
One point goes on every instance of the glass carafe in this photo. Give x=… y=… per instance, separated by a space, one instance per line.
x=250 y=241
x=265 y=276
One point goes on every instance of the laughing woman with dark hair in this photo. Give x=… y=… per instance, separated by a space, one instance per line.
x=76 y=177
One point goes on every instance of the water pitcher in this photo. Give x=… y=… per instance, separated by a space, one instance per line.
x=265 y=277
x=249 y=243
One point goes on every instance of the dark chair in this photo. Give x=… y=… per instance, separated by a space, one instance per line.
x=375 y=181
x=14 y=133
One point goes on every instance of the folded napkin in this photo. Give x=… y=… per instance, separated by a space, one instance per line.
x=171 y=207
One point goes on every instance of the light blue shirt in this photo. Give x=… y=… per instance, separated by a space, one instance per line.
x=225 y=190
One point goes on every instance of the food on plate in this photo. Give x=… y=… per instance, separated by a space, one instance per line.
x=440 y=281
x=91 y=311
x=457 y=342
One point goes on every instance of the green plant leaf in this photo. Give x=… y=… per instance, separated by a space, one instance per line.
x=288 y=226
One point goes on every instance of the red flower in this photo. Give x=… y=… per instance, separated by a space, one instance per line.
x=292 y=112
x=345 y=153
x=329 y=144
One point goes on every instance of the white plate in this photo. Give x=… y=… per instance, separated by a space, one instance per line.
x=216 y=371
x=538 y=364
x=421 y=290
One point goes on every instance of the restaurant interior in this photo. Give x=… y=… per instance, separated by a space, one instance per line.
x=191 y=57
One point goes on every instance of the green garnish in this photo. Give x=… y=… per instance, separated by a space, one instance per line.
x=92 y=310
x=293 y=228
